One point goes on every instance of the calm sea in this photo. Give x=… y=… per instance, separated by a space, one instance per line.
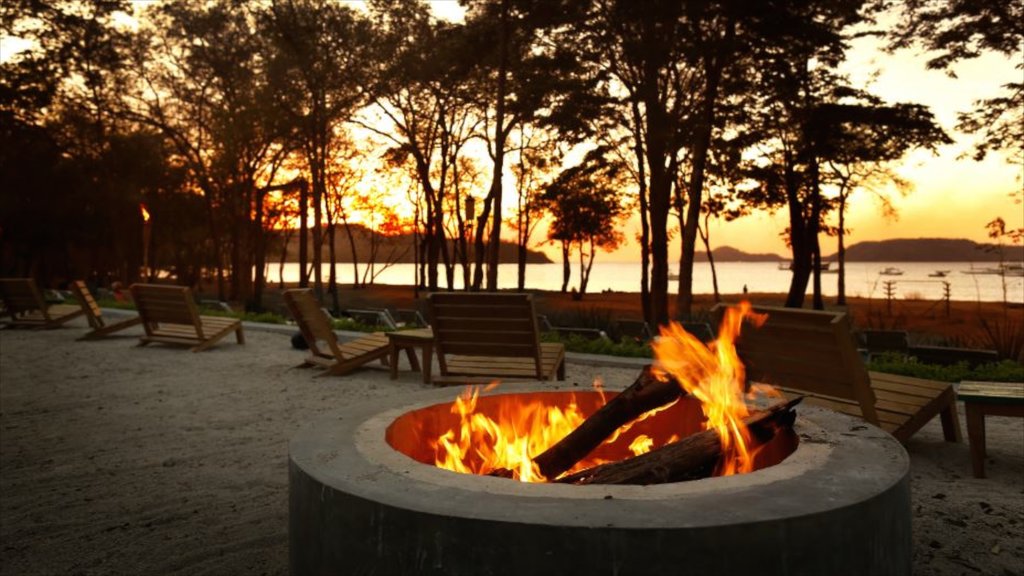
x=863 y=279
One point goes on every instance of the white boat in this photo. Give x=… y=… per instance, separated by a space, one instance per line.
x=785 y=265
x=891 y=271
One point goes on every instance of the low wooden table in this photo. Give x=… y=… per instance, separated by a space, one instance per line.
x=408 y=340
x=983 y=399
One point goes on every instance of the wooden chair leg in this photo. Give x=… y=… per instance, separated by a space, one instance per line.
x=950 y=422
x=976 y=438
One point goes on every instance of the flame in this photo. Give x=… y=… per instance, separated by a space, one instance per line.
x=145 y=213
x=525 y=427
x=715 y=376
x=523 y=430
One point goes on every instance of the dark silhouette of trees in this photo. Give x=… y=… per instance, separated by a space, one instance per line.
x=585 y=204
x=960 y=30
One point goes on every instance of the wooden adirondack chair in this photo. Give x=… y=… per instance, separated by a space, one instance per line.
x=25 y=304
x=325 y=350
x=488 y=336
x=169 y=315
x=94 y=315
x=814 y=353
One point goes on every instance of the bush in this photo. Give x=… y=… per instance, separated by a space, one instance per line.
x=1004 y=371
x=601 y=346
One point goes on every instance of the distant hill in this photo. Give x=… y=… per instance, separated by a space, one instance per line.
x=929 y=250
x=730 y=254
x=400 y=246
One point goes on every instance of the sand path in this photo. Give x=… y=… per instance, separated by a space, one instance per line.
x=116 y=459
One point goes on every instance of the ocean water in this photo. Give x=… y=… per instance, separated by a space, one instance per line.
x=863 y=279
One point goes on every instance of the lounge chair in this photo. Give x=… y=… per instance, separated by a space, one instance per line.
x=94 y=315
x=25 y=304
x=479 y=337
x=814 y=353
x=325 y=350
x=170 y=315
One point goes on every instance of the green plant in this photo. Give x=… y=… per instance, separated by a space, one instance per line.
x=1003 y=371
x=600 y=346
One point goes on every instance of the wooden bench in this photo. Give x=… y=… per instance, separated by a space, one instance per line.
x=481 y=337
x=25 y=304
x=988 y=399
x=814 y=353
x=169 y=315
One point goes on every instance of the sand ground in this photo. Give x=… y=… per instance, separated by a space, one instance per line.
x=116 y=459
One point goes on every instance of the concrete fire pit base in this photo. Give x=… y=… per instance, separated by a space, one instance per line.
x=840 y=504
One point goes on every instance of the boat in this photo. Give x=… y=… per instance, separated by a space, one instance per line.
x=785 y=265
x=1014 y=270
x=939 y=274
x=891 y=271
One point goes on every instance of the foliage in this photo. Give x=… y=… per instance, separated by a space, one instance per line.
x=960 y=30
x=1004 y=371
x=602 y=346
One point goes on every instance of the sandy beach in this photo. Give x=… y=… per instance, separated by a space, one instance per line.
x=116 y=459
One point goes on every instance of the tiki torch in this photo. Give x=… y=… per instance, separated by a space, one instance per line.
x=146 y=233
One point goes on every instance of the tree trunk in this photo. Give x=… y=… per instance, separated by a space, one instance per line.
x=841 y=254
x=303 y=235
x=566 y=269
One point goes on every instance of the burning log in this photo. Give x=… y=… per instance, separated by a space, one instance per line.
x=691 y=458
x=645 y=394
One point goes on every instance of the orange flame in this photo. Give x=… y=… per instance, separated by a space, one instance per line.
x=524 y=427
x=715 y=376
x=145 y=213
x=523 y=430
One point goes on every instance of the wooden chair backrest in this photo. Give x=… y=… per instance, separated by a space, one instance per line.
x=163 y=304
x=485 y=324
x=92 y=310
x=21 y=295
x=312 y=321
x=806 y=350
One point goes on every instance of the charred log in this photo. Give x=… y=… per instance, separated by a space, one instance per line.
x=691 y=458
x=646 y=393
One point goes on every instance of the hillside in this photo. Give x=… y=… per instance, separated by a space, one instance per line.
x=929 y=250
x=399 y=246
x=730 y=254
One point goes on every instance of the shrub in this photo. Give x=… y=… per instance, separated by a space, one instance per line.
x=1004 y=371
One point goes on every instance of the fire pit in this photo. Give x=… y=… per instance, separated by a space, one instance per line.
x=836 y=502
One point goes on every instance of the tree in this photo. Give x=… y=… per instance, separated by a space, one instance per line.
x=860 y=142
x=198 y=80
x=960 y=30
x=795 y=77
x=424 y=96
x=536 y=154
x=517 y=77
x=585 y=202
x=318 y=72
